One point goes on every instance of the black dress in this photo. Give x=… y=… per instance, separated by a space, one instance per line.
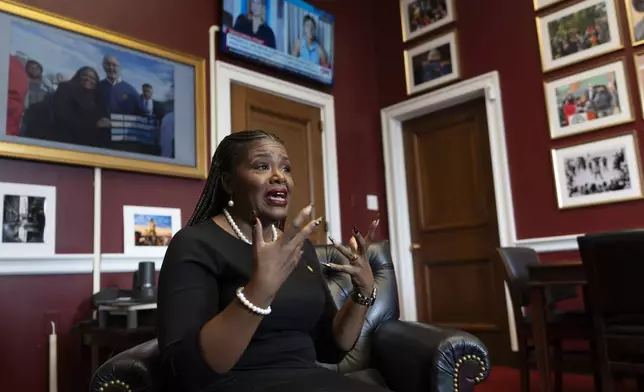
x=203 y=267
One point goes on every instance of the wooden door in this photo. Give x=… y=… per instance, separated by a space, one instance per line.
x=459 y=283
x=300 y=128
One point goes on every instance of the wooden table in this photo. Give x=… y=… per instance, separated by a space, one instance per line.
x=541 y=276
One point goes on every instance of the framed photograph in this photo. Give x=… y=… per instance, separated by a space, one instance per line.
x=28 y=220
x=598 y=172
x=587 y=101
x=422 y=16
x=147 y=231
x=635 y=13
x=541 y=4
x=432 y=63
x=638 y=59
x=76 y=94
x=579 y=32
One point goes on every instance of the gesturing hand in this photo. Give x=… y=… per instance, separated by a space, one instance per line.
x=356 y=253
x=274 y=261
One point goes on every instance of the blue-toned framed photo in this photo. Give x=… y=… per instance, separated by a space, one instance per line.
x=76 y=94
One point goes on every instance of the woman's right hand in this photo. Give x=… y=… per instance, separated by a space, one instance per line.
x=274 y=261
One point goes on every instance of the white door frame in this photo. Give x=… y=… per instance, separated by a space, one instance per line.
x=226 y=74
x=392 y=117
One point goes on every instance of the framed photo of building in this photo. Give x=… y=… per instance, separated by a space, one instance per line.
x=589 y=100
x=432 y=63
x=635 y=13
x=598 y=172
x=541 y=4
x=28 y=220
x=579 y=32
x=422 y=16
x=76 y=94
x=147 y=231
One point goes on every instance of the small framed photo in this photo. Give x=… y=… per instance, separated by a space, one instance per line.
x=582 y=31
x=589 y=100
x=639 y=70
x=432 y=63
x=541 y=4
x=28 y=220
x=635 y=12
x=422 y=16
x=598 y=172
x=147 y=231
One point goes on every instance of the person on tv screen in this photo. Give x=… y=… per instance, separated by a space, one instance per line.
x=308 y=48
x=253 y=23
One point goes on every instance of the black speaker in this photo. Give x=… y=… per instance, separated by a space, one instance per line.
x=144 y=280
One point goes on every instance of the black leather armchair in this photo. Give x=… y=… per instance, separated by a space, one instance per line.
x=403 y=356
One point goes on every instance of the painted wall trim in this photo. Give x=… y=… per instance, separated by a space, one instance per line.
x=67 y=264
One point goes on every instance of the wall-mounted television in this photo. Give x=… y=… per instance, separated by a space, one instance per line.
x=286 y=34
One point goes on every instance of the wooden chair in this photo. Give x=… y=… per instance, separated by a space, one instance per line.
x=614 y=265
x=561 y=325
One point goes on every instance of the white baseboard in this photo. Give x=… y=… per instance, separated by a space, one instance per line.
x=64 y=264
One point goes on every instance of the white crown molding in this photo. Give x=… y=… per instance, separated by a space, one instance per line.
x=69 y=264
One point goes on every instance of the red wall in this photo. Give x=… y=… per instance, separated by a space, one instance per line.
x=501 y=35
x=26 y=301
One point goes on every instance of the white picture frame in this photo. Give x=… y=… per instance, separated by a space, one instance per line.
x=541 y=4
x=411 y=30
x=584 y=173
x=578 y=103
x=27 y=219
x=447 y=63
x=166 y=221
x=555 y=50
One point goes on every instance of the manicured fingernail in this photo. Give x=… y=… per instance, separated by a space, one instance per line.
x=355 y=230
x=318 y=221
x=326 y=264
x=253 y=218
x=332 y=240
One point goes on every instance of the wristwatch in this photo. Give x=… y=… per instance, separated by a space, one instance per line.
x=360 y=299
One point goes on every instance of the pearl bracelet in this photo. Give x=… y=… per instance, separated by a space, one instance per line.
x=252 y=307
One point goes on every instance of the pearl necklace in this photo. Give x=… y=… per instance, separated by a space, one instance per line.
x=241 y=235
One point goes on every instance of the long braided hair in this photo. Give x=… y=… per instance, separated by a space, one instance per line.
x=214 y=197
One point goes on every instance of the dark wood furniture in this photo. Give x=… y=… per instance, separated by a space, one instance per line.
x=614 y=265
x=561 y=325
x=540 y=277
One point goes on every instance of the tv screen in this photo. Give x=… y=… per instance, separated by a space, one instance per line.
x=287 y=34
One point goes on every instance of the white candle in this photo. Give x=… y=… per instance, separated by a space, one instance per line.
x=53 y=371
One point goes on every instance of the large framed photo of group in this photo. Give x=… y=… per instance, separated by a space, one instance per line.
x=589 y=100
x=598 y=172
x=422 y=16
x=76 y=94
x=635 y=13
x=579 y=32
x=432 y=64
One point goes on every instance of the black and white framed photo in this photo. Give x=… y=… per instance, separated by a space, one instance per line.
x=588 y=101
x=422 y=16
x=28 y=220
x=579 y=32
x=432 y=63
x=598 y=172
x=541 y=4
x=147 y=231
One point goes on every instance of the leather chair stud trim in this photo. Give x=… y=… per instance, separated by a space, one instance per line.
x=115 y=383
x=469 y=357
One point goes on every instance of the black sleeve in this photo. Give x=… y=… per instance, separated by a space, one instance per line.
x=326 y=348
x=188 y=297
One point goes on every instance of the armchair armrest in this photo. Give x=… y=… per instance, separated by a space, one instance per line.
x=421 y=357
x=133 y=370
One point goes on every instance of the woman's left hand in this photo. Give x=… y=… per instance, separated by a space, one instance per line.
x=356 y=253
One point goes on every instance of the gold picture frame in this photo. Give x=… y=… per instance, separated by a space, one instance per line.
x=637 y=37
x=136 y=130
x=542 y=4
x=618 y=160
x=445 y=47
x=445 y=10
x=551 y=49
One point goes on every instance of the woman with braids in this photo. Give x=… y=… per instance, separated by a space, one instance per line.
x=244 y=306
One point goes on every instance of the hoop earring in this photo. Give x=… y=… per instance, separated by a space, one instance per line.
x=231 y=203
